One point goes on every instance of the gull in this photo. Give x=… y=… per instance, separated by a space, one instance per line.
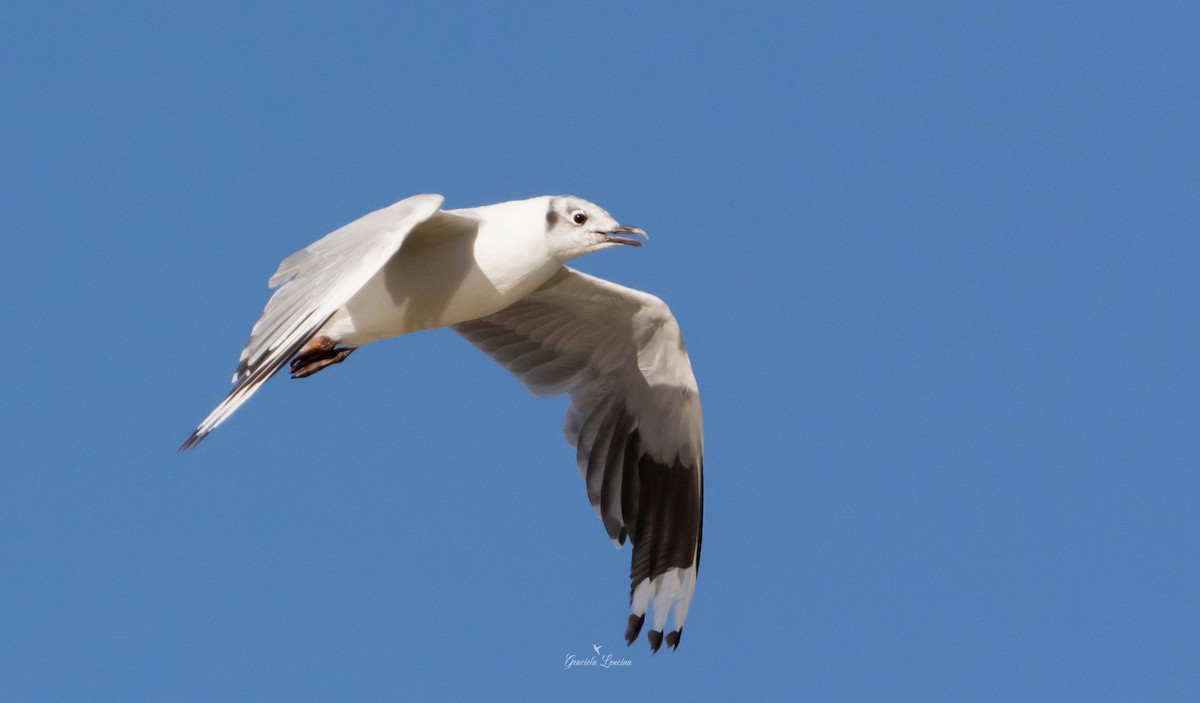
x=496 y=275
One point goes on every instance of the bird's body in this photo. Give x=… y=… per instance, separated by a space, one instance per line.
x=459 y=265
x=496 y=276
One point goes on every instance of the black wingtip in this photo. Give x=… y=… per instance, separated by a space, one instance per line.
x=655 y=638
x=673 y=639
x=192 y=441
x=634 y=628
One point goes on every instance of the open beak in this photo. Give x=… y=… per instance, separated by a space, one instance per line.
x=619 y=235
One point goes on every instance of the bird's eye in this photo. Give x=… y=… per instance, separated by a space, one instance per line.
x=579 y=217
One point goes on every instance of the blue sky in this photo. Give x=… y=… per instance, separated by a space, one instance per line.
x=935 y=265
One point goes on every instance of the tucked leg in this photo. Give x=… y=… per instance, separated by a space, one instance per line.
x=322 y=352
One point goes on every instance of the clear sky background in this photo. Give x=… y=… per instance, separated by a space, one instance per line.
x=936 y=266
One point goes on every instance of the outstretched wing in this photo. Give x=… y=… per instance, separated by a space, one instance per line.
x=312 y=285
x=635 y=421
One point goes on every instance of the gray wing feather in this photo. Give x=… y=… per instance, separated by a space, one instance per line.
x=635 y=418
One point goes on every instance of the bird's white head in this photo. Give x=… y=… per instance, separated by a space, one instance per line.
x=575 y=227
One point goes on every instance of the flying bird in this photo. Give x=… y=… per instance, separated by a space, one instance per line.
x=496 y=275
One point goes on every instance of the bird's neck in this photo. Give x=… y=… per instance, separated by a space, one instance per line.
x=511 y=253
